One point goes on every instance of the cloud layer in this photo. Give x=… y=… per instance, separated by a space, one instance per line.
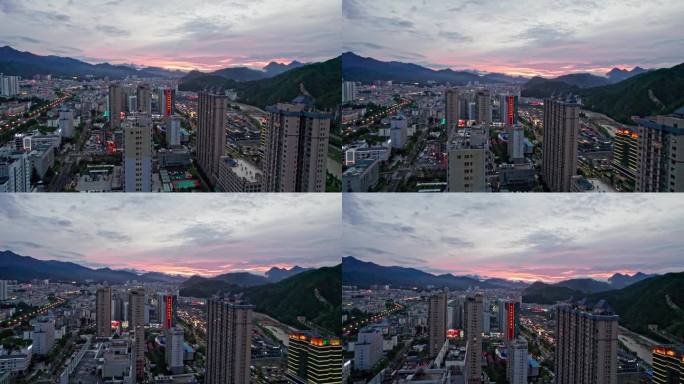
x=202 y=34
x=529 y=237
x=199 y=234
x=527 y=37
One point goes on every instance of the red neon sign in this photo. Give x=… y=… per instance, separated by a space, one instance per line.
x=510 y=321
x=167 y=96
x=169 y=312
x=510 y=109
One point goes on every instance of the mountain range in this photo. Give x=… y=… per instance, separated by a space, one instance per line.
x=367 y=69
x=313 y=293
x=27 y=64
x=321 y=80
x=26 y=268
x=646 y=300
x=364 y=274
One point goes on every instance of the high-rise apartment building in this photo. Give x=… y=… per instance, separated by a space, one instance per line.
x=625 y=151
x=295 y=156
x=348 y=91
x=43 y=335
x=314 y=359
x=144 y=99
x=211 y=133
x=4 y=290
x=452 y=109
x=15 y=173
x=368 y=348
x=136 y=325
x=668 y=364
x=660 y=153
x=517 y=361
x=229 y=339
x=437 y=321
x=173 y=130
x=137 y=153
x=174 y=338
x=483 y=101
x=103 y=312
x=586 y=346
x=116 y=105
x=9 y=85
x=516 y=143
x=474 y=323
x=559 y=146
x=66 y=122
x=467 y=160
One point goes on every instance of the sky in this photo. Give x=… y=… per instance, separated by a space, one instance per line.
x=206 y=234
x=522 y=37
x=183 y=34
x=529 y=237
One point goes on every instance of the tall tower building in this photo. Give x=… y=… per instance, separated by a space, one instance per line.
x=174 y=349
x=167 y=101
x=9 y=85
x=516 y=142
x=136 y=325
x=586 y=346
x=474 y=322
x=559 y=146
x=296 y=152
x=137 y=153
x=43 y=336
x=103 y=312
x=173 y=130
x=668 y=364
x=508 y=109
x=509 y=319
x=211 y=132
x=229 y=339
x=144 y=98
x=452 y=109
x=348 y=91
x=455 y=315
x=66 y=122
x=116 y=100
x=437 y=322
x=4 y=290
x=166 y=310
x=516 y=364
x=314 y=359
x=483 y=100
x=659 y=157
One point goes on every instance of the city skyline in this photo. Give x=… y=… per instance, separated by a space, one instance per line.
x=194 y=235
x=566 y=37
x=548 y=238
x=210 y=35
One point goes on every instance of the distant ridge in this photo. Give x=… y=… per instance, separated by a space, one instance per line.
x=25 y=268
x=367 y=69
x=27 y=64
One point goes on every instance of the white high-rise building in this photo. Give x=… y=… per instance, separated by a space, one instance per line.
x=66 y=122
x=174 y=349
x=398 y=131
x=9 y=85
x=516 y=142
x=368 y=348
x=15 y=173
x=348 y=91
x=467 y=161
x=4 y=290
x=137 y=153
x=173 y=130
x=516 y=364
x=43 y=336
